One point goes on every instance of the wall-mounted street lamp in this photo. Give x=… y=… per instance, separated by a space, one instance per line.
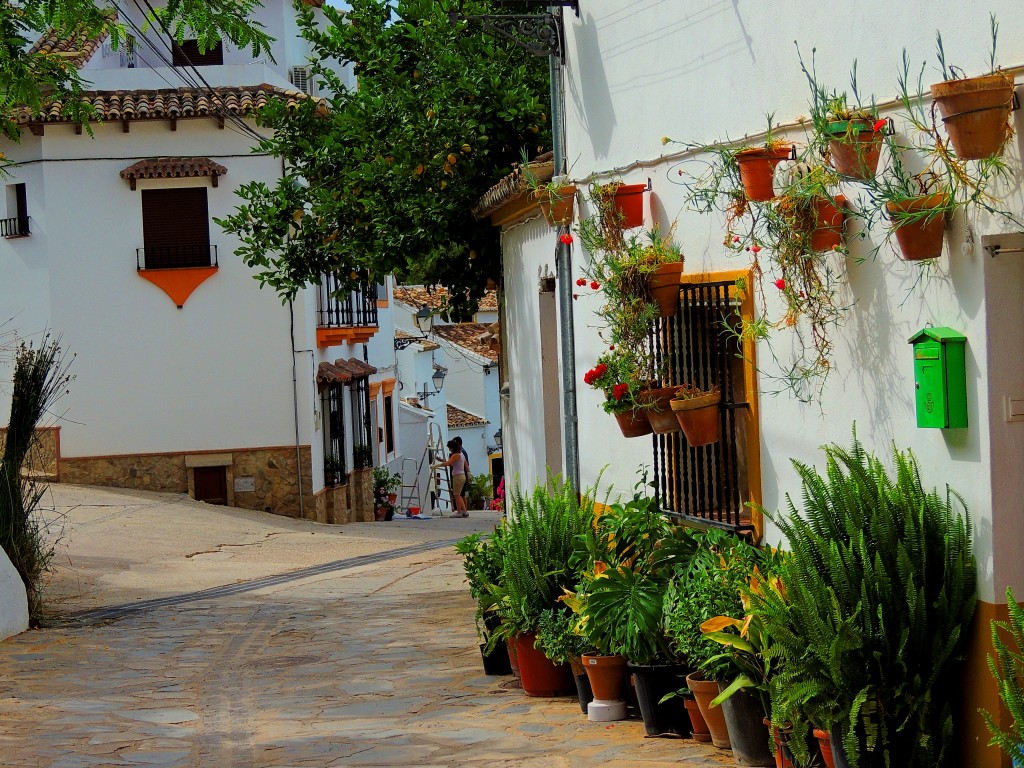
x=424 y=320
x=437 y=380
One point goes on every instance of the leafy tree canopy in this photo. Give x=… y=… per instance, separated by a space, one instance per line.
x=381 y=178
x=29 y=79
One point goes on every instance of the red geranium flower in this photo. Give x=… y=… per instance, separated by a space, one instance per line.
x=879 y=124
x=755 y=248
x=580 y=281
x=594 y=284
x=566 y=239
x=780 y=284
x=619 y=391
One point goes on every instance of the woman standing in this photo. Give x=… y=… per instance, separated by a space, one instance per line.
x=457 y=463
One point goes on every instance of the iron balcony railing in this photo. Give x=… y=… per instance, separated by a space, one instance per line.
x=15 y=227
x=340 y=308
x=176 y=256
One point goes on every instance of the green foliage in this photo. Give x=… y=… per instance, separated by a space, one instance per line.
x=869 y=619
x=40 y=379
x=483 y=560
x=538 y=542
x=558 y=638
x=1008 y=670
x=478 y=490
x=709 y=586
x=381 y=179
x=628 y=558
x=30 y=80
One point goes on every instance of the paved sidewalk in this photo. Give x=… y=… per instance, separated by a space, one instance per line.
x=369 y=662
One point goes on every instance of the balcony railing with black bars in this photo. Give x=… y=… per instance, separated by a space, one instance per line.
x=176 y=256
x=340 y=308
x=18 y=226
x=697 y=346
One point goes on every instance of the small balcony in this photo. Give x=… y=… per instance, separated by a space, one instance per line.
x=176 y=257
x=345 y=316
x=15 y=227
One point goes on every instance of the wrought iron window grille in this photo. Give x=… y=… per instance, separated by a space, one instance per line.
x=707 y=485
x=539 y=34
x=175 y=256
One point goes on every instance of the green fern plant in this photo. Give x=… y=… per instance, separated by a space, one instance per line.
x=873 y=608
x=1008 y=669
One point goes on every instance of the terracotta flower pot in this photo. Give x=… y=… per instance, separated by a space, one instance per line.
x=700 y=728
x=976 y=113
x=704 y=692
x=829 y=216
x=663 y=286
x=607 y=675
x=557 y=207
x=629 y=200
x=825 y=742
x=855 y=149
x=537 y=674
x=757 y=167
x=918 y=233
x=698 y=418
x=634 y=423
x=660 y=415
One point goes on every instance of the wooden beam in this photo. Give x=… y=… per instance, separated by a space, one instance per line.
x=125 y=126
x=174 y=123
x=37 y=129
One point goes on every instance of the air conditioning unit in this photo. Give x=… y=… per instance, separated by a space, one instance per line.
x=302 y=79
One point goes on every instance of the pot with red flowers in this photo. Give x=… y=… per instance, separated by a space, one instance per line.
x=616 y=375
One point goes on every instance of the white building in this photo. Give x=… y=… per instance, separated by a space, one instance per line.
x=188 y=376
x=707 y=72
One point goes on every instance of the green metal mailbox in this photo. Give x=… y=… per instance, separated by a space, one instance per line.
x=940 y=378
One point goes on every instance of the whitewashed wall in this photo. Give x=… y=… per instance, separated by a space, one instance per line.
x=710 y=71
x=150 y=377
x=13 y=601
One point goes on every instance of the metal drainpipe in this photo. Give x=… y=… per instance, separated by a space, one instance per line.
x=563 y=272
x=295 y=404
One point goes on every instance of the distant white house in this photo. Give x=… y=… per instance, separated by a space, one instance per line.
x=188 y=377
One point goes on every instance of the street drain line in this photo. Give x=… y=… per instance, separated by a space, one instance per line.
x=98 y=615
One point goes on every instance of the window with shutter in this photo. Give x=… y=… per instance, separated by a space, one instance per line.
x=187 y=54
x=175 y=228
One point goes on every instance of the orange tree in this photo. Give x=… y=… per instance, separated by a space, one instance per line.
x=381 y=177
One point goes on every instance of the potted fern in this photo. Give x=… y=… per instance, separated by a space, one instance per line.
x=1008 y=669
x=864 y=549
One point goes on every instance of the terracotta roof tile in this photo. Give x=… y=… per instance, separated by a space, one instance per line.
x=341 y=371
x=514 y=185
x=460 y=418
x=435 y=298
x=172 y=103
x=467 y=336
x=173 y=168
x=74 y=45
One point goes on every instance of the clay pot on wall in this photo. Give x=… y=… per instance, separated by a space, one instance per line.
x=757 y=168
x=629 y=199
x=698 y=417
x=918 y=232
x=660 y=414
x=855 y=149
x=663 y=286
x=829 y=217
x=976 y=113
x=557 y=205
x=634 y=423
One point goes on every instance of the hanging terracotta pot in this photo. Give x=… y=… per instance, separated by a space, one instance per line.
x=660 y=414
x=700 y=728
x=663 y=285
x=607 y=675
x=634 y=423
x=825 y=743
x=855 y=149
x=704 y=692
x=829 y=216
x=698 y=418
x=757 y=168
x=629 y=200
x=918 y=232
x=537 y=674
x=976 y=113
x=558 y=205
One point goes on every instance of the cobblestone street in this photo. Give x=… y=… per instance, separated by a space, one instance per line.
x=369 y=660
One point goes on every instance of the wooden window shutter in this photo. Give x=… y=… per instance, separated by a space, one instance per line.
x=175 y=228
x=188 y=54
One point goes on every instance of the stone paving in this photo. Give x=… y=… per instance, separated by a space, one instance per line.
x=371 y=665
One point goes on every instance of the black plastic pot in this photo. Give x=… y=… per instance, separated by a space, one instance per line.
x=652 y=684
x=744 y=716
x=583 y=691
x=496 y=662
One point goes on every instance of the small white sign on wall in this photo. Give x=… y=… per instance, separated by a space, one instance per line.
x=245 y=484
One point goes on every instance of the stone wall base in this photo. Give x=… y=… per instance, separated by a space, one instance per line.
x=349 y=503
x=257 y=478
x=42 y=459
